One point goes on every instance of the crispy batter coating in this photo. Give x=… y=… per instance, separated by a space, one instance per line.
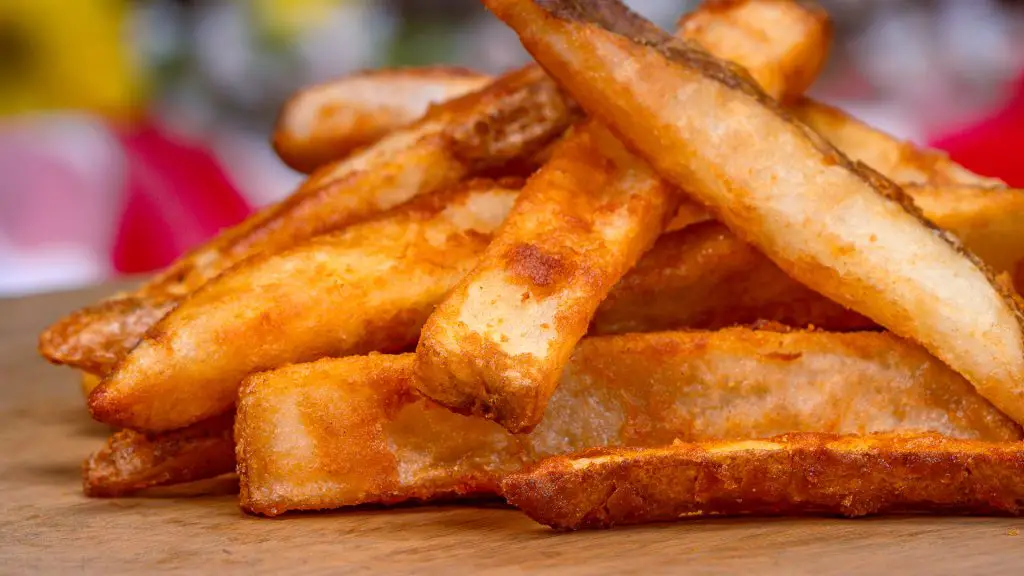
x=350 y=431
x=332 y=296
x=898 y=160
x=838 y=227
x=328 y=121
x=812 y=473
x=132 y=461
x=513 y=117
x=497 y=344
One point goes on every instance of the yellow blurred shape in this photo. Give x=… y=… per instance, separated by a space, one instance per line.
x=287 y=18
x=57 y=54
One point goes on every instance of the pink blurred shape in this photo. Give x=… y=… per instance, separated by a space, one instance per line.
x=178 y=196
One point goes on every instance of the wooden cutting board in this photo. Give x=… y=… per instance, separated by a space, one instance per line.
x=46 y=525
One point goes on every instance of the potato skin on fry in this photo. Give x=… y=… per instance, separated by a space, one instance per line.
x=512 y=118
x=326 y=122
x=838 y=227
x=810 y=473
x=333 y=296
x=350 y=431
x=132 y=461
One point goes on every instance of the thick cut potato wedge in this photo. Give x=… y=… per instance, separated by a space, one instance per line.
x=793 y=474
x=512 y=118
x=898 y=160
x=326 y=122
x=782 y=44
x=989 y=221
x=354 y=430
x=132 y=461
x=704 y=277
x=838 y=227
x=367 y=288
x=497 y=345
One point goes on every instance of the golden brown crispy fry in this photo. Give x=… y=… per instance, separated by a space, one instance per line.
x=350 y=431
x=97 y=337
x=810 y=473
x=838 y=227
x=497 y=344
x=328 y=121
x=898 y=160
x=783 y=44
x=989 y=221
x=366 y=288
x=512 y=118
x=704 y=277
x=132 y=461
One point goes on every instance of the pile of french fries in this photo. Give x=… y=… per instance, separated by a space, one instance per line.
x=641 y=279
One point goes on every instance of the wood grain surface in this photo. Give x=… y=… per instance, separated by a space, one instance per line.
x=46 y=525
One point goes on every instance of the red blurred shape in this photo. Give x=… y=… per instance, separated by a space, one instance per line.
x=177 y=196
x=994 y=146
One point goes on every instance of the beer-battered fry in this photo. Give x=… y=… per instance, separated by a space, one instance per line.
x=132 y=461
x=838 y=227
x=497 y=344
x=811 y=473
x=512 y=118
x=899 y=160
x=350 y=431
x=332 y=296
x=328 y=121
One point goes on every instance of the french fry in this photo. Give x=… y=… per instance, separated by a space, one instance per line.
x=793 y=474
x=332 y=296
x=989 y=222
x=328 y=121
x=350 y=431
x=704 y=277
x=900 y=161
x=497 y=344
x=782 y=44
x=513 y=117
x=132 y=461
x=699 y=277
x=838 y=227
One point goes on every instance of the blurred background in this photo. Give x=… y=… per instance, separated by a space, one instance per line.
x=131 y=130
